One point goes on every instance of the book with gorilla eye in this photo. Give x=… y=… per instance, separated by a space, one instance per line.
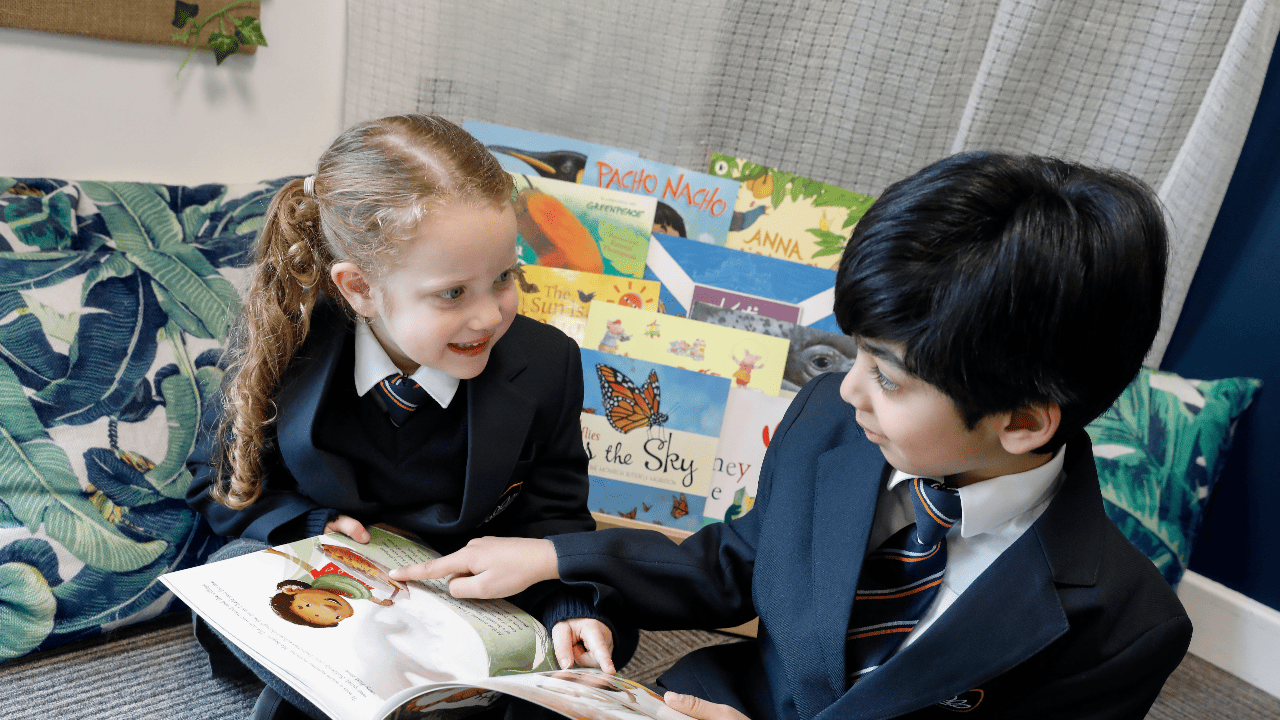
x=811 y=351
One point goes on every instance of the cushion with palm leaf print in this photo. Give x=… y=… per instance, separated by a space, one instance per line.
x=1159 y=450
x=116 y=300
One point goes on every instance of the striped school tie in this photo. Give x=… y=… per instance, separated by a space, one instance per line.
x=900 y=579
x=401 y=396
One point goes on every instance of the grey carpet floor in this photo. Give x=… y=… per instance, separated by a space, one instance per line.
x=156 y=671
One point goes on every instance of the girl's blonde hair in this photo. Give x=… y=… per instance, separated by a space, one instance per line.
x=374 y=186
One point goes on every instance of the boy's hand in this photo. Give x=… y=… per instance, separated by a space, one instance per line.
x=489 y=567
x=585 y=642
x=696 y=707
x=348 y=526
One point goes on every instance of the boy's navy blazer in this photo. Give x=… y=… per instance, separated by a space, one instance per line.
x=1070 y=622
x=525 y=459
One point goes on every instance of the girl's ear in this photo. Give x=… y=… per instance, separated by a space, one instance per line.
x=1030 y=427
x=354 y=286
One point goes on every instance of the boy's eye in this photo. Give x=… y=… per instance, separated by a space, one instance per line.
x=450 y=294
x=883 y=380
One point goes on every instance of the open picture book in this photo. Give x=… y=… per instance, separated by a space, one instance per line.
x=324 y=615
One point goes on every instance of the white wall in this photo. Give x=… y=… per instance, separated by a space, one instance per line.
x=85 y=109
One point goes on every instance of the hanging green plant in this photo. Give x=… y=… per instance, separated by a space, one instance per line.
x=246 y=30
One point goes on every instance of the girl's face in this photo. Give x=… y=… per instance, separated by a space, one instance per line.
x=453 y=294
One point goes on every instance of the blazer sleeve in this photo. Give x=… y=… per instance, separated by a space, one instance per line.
x=1122 y=687
x=704 y=581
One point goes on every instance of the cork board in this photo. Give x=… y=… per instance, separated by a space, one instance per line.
x=136 y=21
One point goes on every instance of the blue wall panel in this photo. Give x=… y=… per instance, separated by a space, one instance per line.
x=1230 y=326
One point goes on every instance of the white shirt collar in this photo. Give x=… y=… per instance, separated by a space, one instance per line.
x=987 y=505
x=373 y=364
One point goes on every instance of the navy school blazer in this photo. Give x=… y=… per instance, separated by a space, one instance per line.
x=526 y=466
x=1070 y=622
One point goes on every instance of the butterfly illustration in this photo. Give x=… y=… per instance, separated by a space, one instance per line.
x=586 y=297
x=626 y=406
x=679 y=506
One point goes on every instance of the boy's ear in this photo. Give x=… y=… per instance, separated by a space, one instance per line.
x=1030 y=427
x=354 y=286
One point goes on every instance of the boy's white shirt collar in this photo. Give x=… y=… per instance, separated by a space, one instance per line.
x=373 y=364
x=987 y=505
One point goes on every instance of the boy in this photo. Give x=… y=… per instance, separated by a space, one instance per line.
x=999 y=303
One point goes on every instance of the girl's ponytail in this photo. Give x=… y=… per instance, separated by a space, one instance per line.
x=290 y=270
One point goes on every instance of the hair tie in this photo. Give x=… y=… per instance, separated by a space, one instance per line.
x=309 y=186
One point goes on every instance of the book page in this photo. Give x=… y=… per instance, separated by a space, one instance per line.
x=324 y=616
x=579 y=693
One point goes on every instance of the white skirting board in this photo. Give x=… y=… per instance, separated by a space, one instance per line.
x=1234 y=632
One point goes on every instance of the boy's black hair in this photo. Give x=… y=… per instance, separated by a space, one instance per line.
x=1011 y=280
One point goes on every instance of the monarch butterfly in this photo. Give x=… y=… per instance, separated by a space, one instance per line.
x=626 y=406
x=679 y=506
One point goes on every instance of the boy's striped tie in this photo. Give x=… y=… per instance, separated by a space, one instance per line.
x=900 y=579
x=401 y=396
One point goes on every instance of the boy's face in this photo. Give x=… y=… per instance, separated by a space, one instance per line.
x=917 y=427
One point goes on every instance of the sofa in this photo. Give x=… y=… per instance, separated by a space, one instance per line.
x=117 y=298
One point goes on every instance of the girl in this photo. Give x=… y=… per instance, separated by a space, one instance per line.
x=379 y=373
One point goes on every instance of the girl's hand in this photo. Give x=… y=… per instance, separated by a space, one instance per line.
x=584 y=642
x=348 y=526
x=489 y=567
x=696 y=707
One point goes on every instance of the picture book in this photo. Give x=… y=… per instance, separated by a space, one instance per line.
x=579 y=227
x=691 y=204
x=749 y=359
x=651 y=432
x=551 y=156
x=789 y=216
x=691 y=271
x=750 y=420
x=811 y=351
x=324 y=615
x=561 y=297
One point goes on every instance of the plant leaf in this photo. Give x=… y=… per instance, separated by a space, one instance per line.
x=40 y=487
x=182 y=410
x=112 y=352
x=184 y=13
x=27 y=607
x=249 y=31
x=223 y=45
x=28 y=271
x=25 y=345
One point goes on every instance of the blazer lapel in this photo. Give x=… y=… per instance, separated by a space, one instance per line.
x=498 y=421
x=845 y=494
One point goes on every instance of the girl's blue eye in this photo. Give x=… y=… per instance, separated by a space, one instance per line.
x=451 y=293
x=504 y=276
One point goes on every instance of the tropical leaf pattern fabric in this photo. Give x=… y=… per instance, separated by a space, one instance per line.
x=115 y=299
x=1159 y=450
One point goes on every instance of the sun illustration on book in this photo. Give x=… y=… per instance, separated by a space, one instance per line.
x=630 y=297
x=626 y=406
